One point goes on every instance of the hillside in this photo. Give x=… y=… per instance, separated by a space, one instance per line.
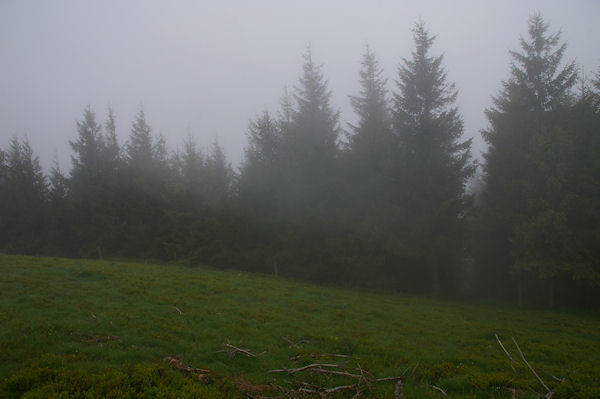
x=109 y=328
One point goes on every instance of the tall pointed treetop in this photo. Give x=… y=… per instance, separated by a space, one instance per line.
x=89 y=144
x=139 y=147
x=371 y=103
x=314 y=121
x=424 y=92
x=537 y=77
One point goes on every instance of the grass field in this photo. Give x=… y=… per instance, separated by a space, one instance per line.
x=83 y=328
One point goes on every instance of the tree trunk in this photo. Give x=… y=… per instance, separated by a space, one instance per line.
x=435 y=282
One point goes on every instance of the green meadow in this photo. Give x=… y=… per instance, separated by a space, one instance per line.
x=88 y=328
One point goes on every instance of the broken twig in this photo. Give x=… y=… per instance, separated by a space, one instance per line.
x=232 y=350
x=440 y=390
x=507 y=353
x=398 y=390
x=362 y=374
x=200 y=374
x=310 y=366
x=550 y=392
x=319 y=356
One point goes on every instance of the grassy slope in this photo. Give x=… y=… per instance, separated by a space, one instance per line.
x=54 y=313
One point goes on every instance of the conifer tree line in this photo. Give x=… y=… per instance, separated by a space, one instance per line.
x=394 y=201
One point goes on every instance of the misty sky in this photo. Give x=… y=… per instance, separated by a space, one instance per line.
x=208 y=67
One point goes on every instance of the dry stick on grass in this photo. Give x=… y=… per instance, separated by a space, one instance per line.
x=388 y=379
x=319 y=355
x=507 y=353
x=550 y=393
x=307 y=385
x=327 y=391
x=398 y=390
x=362 y=374
x=200 y=374
x=335 y=372
x=439 y=389
x=310 y=366
x=232 y=350
x=340 y=388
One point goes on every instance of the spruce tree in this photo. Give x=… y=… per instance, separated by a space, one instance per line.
x=314 y=131
x=139 y=148
x=145 y=177
x=367 y=164
x=62 y=220
x=371 y=136
x=23 y=193
x=58 y=183
x=523 y=131
x=193 y=170
x=259 y=178
x=434 y=162
x=112 y=151
x=309 y=145
x=87 y=161
x=220 y=176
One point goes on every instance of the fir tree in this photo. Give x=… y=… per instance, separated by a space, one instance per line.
x=112 y=149
x=369 y=156
x=87 y=161
x=309 y=147
x=260 y=173
x=23 y=192
x=313 y=131
x=434 y=162
x=372 y=134
x=524 y=118
x=139 y=148
x=220 y=175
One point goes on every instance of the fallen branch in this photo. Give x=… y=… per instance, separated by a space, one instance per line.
x=550 y=393
x=363 y=380
x=232 y=350
x=308 y=385
x=179 y=365
x=362 y=374
x=398 y=390
x=200 y=374
x=340 y=388
x=388 y=379
x=292 y=371
x=440 y=390
x=319 y=355
x=335 y=372
x=325 y=391
x=507 y=353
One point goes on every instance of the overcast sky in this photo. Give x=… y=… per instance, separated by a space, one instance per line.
x=209 y=66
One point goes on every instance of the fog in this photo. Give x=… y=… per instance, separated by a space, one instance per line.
x=207 y=67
